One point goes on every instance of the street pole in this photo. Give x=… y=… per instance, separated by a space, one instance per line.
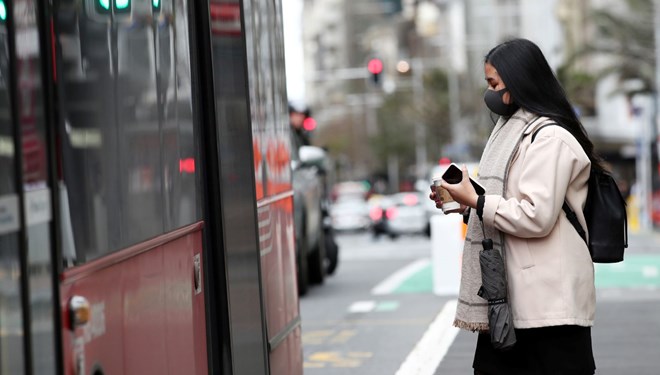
x=370 y=113
x=454 y=102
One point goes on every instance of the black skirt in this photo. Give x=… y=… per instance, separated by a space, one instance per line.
x=560 y=350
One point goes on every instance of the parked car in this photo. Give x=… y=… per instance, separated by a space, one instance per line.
x=349 y=190
x=406 y=214
x=316 y=250
x=378 y=205
x=399 y=214
x=350 y=215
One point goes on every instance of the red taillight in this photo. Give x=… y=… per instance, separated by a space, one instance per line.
x=410 y=200
x=376 y=213
x=391 y=213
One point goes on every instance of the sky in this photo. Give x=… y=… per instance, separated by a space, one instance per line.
x=293 y=50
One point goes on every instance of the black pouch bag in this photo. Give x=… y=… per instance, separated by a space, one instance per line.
x=607 y=222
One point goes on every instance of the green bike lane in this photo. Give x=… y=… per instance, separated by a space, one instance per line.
x=637 y=271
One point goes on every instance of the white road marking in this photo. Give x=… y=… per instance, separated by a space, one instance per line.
x=388 y=285
x=431 y=349
x=387 y=305
x=650 y=272
x=362 y=306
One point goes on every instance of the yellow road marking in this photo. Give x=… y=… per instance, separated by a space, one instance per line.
x=342 y=337
x=363 y=322
x=325 y=356
x=316 y=337
x=360 y=354
x=313 y=364
x=336 y=359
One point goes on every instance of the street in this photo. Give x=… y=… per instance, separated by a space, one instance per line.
x=378 y=314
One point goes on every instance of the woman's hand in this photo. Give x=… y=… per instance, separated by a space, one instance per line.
x=435 y=197
x=438 y=201
x=462 y=192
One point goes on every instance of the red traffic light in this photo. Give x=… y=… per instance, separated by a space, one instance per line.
x=375 y=66
x=309 y=124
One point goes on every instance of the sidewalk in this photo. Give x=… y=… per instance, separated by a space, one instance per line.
x=626 y=335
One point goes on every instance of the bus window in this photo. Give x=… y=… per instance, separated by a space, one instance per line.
x=126 y=123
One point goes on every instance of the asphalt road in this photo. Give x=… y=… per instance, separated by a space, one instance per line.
x=377 y=314
x=349 y=330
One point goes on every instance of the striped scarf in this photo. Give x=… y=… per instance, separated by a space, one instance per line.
x=502 y=145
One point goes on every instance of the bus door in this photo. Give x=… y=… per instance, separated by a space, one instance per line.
x=132 y=288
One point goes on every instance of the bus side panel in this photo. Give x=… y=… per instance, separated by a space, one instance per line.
x=199 y=313
x=272 y=156
x=83 y=348
x=143 y=281
x=278 y=264
x=145 y=315
x=185 y=321
x=286 y=358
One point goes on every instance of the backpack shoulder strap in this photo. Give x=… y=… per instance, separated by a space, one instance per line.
x=539 y=129
x=572 y=217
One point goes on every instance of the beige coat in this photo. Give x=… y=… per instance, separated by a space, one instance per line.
x=549 y=269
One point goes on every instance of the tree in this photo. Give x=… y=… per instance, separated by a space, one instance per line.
x=400 y=113
x=434 y=112
x=626 y=38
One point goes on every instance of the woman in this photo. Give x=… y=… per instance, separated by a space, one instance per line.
x=550 y=274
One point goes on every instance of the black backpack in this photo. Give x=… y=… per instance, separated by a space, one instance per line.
x=605 y=214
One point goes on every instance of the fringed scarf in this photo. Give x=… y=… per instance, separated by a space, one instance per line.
x=471 y=313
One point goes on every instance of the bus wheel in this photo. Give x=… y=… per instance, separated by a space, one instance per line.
x=316 y=261
x=331 y=252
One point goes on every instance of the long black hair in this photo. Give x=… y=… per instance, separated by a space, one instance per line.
x=534 y=87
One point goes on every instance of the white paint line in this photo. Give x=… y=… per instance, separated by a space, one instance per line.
x=394 y=280
x=650 y=272
x=362 y=306
x=431 y=349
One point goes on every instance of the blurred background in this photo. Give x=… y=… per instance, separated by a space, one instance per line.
x=395 y=88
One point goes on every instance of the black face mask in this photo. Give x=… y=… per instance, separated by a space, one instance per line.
x=495 y=103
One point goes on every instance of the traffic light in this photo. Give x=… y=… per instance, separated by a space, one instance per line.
x=3 y=11
x=375 y=67
x=155 y=5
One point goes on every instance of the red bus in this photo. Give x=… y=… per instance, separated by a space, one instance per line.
x=146 y=206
